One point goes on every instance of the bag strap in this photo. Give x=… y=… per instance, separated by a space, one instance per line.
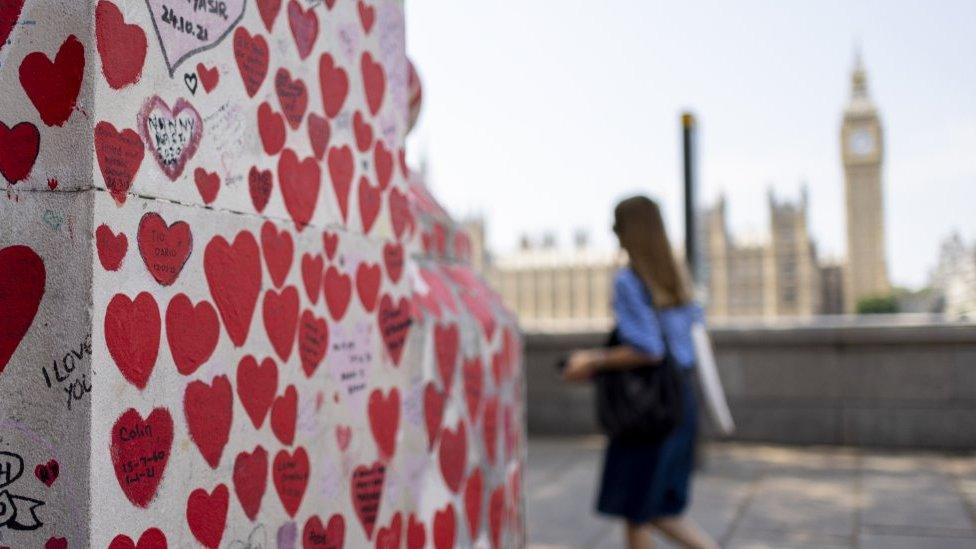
x=657 y=316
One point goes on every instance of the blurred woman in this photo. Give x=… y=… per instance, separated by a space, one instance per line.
x=646 y=483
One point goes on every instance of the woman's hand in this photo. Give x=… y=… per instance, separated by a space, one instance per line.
x=581 y=365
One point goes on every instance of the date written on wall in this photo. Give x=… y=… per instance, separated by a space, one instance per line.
x=68 y=373
x=180 y=23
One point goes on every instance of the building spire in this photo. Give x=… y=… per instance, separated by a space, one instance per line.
x=859 y=81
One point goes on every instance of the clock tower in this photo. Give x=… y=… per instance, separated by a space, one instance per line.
x=862 y=151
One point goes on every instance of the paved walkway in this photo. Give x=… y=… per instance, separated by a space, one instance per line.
x=771 y=496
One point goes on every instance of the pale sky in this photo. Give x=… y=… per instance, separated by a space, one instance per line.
x=540 y=114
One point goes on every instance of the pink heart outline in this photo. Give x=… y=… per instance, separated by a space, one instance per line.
x=189 y=52
x=156 y=103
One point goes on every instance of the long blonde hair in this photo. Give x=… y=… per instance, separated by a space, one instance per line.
x=640 y=227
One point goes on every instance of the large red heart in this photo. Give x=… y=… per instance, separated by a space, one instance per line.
x=338 y=292
x=416 y=533
x=341 y=170
x=400 y=215
x=132 y=335
x=367 y=493
x=312 y=266
x=334 y=83
x=164 y=248
x=363 y=132
x=259 y=184
x=209 y=414
x=280 y=314
x=383 y=162
x=206 y=515
x=384 y=420
x=278 y=248
x=271 y=128
x=304 y=26
x=473 y=373
x=445 y=528
x=119 y=155
x=284 y=414
x=53 y=86
x=393 y=260
x=374 y=82
x=473 y=491
x=257 y=385
x=388 y=537
x=269 y=12
x=319 y=133
x=299 y=182
x=368 y=278
x=446 y=341
x=19 y=146
x=234 y=277
x=315 y=536
x=313 y=341
x=208 y=184
x=192 y=332
x=140 y=450
x=370 y=200
x=121 y=46
x=152 y=538
x=453 y=455
x=496 y=515
x=433 y=411
x=251 y=479
x=490 y=428
x=367 y=15
x=394 y=322
x=290 y=473
x=293 y=97
x=9 y=15
x=22 y=280
x=252 y=57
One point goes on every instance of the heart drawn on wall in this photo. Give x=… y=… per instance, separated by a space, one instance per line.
x=172 y=135
x=22 y=279
x=184 y=30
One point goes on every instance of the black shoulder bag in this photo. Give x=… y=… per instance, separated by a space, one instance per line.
x=642 y=403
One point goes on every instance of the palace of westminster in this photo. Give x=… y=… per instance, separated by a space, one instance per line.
x=777 y=276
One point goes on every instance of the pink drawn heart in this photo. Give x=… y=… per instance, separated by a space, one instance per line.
x=172 y=135
x=184 y=30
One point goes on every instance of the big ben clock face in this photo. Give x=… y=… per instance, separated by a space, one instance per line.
x=861 y=142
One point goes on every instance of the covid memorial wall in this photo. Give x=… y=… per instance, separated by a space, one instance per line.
x=229 y=315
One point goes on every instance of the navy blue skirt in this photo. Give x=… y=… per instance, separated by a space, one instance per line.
x=645 y=481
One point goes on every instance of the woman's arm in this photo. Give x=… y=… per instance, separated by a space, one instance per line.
x=584 y=363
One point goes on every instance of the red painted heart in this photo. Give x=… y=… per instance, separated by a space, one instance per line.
x=367 y=493
x=394 y=323
x=251 y=480
x=367 y=15
x=332 y=536
x=234 y=277
x=374 y=82
x=319 y=133
x=22 y=280
x=271 y=128
x=53 y=86
x=119 y=155
x=363 y=132
x=304 y=25
x=206 y=515
x=152 y=538
x=383 y=162
x=337 y=287
x=192 y=332
x=473 y=492
x=313 y=341
x=416 y=533
x=257 y=385
x=269 y=12
x=207 y=183
x=278 y=249
x=292 y=96
x=330 y=243
x=393 y=260
x=312 y=266
x=280 y=314
x=251 y=53
x=473 y=372
x=300 y=182
x=400 y=215
x=259 y=184
x=290 y=473
x=384 y=420
x=209 y=414
x=9 y=15
x=370 y=200
x=47 y=472
x=433 y=411
x=209 y=77
x=284 y=414
x=334 y=84
x=446 y=342
x=122 y=46
x=111 y=247
x=341 y=169
x=19 y=146
x=388 y=537
x=132 y=330
x=164 y=248
x=453 y=455
x=140 y=450
x=445 y=528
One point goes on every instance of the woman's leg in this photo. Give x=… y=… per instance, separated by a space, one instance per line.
x=685 y=531
x=639 y=536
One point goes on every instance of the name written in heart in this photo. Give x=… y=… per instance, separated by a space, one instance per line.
x=171 y=134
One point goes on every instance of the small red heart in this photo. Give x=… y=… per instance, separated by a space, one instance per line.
x=206 y=515
x=446 y=341
x=363 y=132
x=56 y=543
x=47 y=472
x=433 y=411
x=368 y=278
x=313 y=341
x=290 y=473
x=251 y=53
x=496 y=515
x=394 y=323
x=490 y=428
x=474 y=385
x=292 y=96
x=333 y=536
x=338 y=292
x=234 y=277
x=367 y=16
x=343 y=434
x=284 y=414
x=209 y=414
x=312 y=266
x=257 y=385
x=370 y=200
x=334 y=84
x=330 y=243
x=300 y=182
x=400 y=215
x=453 y=455
x=192 y=332
x=341 y=169
x=366 y=491
x=152 y=538
x=53 y=86
x=209 y=77
x=383 y=161
x=111 y=247
x=445 y=527
x=132 y=330
x=271 y=128
x=319 y=134
x=140 y=450
x=384 y=420
x=279 y=249
x=280 y=314
x=416 y=533
x=374 y=82
x=393 y=260
x=251 y=480
x=164 y=248
x=19 y=146
x=207 y=183
x=304 y=25
x=388 y=537
x=119 y=155
x=269 y=12
x=122 y=46
x=259 y=183
x=473 y=492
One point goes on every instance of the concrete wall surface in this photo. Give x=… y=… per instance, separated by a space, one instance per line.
x=881 y=385
x=230 y=315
